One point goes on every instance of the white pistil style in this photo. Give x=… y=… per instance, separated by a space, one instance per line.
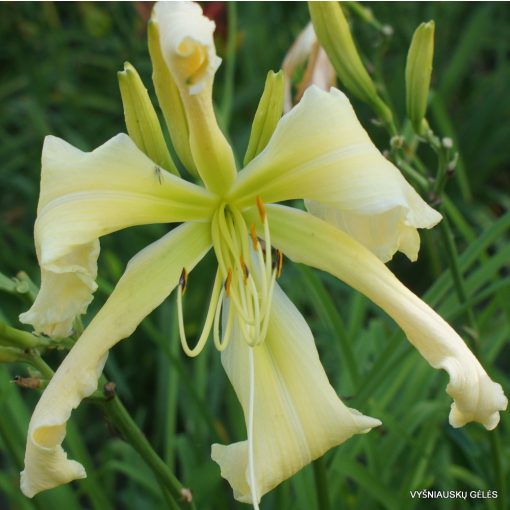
x=251 y=405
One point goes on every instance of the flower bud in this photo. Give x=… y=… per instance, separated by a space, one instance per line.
x=268 y=114
x=418 y=73
x=335 y=37
x=10 y=354
x=141 y=119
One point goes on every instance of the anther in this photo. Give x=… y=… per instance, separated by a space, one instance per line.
x=279 y=263
x=253 y=236
x=246 y=271
x=183 y=280
x=228 y=281
x=261 y=208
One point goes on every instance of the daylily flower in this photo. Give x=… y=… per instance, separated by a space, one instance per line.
x=318 y=152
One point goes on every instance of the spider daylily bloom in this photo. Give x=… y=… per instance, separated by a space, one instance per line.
x=318 y=152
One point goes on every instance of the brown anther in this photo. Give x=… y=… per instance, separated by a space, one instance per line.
x=279 y=263
x=246 y=271
x=186 y=495
x=253 y=236
x=109 y=390
x=31 y=383
x=228 y=281
x=261 y=208
x=183 y=280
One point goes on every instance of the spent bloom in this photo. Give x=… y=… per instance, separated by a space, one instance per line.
x=361 y=211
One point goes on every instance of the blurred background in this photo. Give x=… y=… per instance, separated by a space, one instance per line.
x=58 y=64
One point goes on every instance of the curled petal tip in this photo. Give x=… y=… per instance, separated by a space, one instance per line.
x=484 y=407
x=187 y=44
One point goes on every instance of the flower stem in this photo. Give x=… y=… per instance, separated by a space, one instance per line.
x=124 y=423
x=321 y=484
x=458 y=281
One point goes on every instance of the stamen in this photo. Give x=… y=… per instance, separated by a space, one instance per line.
x=213 y=305
x=253 y=236
x=221 y=344
x=279 y=263
x=261 y=208
x=267 y=308
x=256 y=312
x=183 y=280
x=228 y=281
x=246 y=271
x=216 y=239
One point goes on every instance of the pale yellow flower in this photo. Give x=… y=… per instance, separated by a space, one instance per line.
x=319 y=152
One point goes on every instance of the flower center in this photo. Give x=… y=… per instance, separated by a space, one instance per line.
x=244 y=281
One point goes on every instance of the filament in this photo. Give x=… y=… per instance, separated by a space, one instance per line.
x=213 y=304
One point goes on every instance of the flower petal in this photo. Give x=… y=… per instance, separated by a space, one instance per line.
x=309 y=240
x=297 y=414
x=319 y=70
x=187 y=45
x=339 y=167
x=150 y=276
x=85 y=195
x=384 y=233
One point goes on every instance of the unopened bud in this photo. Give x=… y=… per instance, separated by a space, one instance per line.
x=447 y=142
x=268 y=114
x=397 y=141
x=10 y=354
x=170 y=100
x=418 y=74
x=141 y=119
x=335 y=37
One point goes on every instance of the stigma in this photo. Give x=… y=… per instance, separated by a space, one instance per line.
x=244 y=282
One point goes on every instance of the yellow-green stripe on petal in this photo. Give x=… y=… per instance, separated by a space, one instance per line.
x=339 y=170
x=187 y=45
x=85 y=195
x=297 y=414
x=309 y=240
x=150 y=276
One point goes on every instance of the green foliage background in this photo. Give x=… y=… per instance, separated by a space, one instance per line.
x=58 y=76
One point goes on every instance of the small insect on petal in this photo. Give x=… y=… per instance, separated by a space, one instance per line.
x=157 y=173
x=183 y=280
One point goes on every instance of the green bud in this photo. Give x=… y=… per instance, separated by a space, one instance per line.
x=170 y=100
x=141 y=119
x=10 y=354
x=269 y=112
x=418 y=73
x=335 y=37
